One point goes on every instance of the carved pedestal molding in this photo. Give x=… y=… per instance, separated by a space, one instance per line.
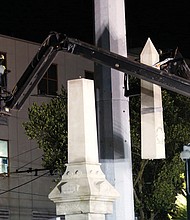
x=83 y=193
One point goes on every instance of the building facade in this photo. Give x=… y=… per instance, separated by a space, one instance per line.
x=24 y=194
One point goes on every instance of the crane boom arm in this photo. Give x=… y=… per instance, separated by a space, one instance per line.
x=34 y=72
x=56 y=42
x=126 y=65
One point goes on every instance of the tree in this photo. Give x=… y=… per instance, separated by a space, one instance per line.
x=48 y=126
x=181 y=203
x=157 y=182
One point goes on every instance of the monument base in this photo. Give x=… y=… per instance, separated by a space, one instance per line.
x=85 y=217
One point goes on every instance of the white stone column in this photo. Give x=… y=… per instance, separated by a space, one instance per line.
x=83 y=193
x=113 y=107
x=152 y=128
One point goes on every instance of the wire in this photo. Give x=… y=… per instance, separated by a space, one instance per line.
x=24 y=152
x=29 y=162
x=28 y=151
x=23 y=184
x=25 y=193
x=30 y=170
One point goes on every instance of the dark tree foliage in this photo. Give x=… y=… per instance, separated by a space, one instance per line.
x=48 y=126
x=157 y=182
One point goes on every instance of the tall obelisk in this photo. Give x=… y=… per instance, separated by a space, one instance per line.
x=113 y=107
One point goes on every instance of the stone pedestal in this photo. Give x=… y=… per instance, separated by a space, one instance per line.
x=83 y=193
x=86 y=217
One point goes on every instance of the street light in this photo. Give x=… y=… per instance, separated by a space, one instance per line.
x=185 y=156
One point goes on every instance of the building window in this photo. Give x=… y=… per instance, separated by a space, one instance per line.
x=3 y=156
x=4 y=214
x=3 y=71
x=89 y=75
x=37 y=215
x=4 y=60
x=48 y=84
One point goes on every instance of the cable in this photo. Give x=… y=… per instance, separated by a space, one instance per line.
x=29 y=162
x=32 y=194
x=11 y=158
x=24 y=152
x=23 y=183
x=30 y=170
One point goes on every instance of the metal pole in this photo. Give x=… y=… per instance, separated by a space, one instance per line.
x=185 y=156
x=187 y=170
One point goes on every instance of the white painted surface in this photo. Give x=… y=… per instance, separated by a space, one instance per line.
x=113 y=107
x=152 y=129
x=83 y=193
x=82 y=133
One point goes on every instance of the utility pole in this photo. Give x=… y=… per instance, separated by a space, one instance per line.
x=185 y=156
x=187 y=170
x=113 y=107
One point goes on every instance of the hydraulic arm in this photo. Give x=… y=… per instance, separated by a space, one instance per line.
x=34 y=72
x=56 y=42
x=126 y=65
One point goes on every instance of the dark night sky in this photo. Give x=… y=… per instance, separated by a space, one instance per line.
x=166 y=22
